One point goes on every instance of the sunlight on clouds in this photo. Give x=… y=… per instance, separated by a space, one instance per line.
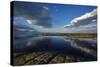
x=45 y=7
x=86 y=23
x=83 y=20
x=85 y=16
x=29 y=21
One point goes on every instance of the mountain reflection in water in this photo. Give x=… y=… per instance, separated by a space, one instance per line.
x=54 y=48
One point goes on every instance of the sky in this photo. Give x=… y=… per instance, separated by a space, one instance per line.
x=62 y=18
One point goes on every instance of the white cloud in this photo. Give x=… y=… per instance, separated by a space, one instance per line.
x=85 y=16
x=86 y=23
x=32 y=21
x=89 y=28
x=22 y=29
x=85 y=19
x=45 y=7
x=94 y=20
x=29 y=21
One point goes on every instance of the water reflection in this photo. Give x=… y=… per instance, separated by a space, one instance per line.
x=82 y=49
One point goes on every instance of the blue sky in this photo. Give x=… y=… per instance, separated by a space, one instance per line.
x=53 y=17
x=63 y=14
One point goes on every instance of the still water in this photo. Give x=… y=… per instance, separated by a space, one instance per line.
x=85 y=48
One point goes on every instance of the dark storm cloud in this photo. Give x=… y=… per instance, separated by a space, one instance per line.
x=35 y=13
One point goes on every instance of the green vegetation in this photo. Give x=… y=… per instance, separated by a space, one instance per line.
x=72 y=35
x=81 y=35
